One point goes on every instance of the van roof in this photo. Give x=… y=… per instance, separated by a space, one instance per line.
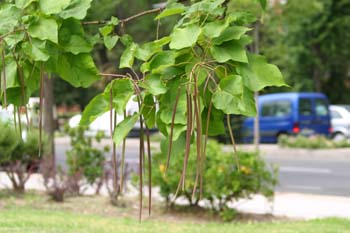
x=292 y=95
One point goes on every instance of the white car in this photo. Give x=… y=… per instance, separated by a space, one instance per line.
x=102 y=123
x=340 y=115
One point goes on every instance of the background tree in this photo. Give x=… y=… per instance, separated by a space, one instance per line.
x=309 y=41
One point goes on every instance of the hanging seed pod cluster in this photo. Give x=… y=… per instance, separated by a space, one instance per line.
x=186 y=84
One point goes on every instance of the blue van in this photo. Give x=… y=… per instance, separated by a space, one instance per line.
x=291 y=114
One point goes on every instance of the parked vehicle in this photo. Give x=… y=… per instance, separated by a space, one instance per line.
x=289 y=114
x=340 y=115
x=102 y=123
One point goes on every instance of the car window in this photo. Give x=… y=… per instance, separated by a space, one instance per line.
x=280 y=108
x=321 y=107
x=305 y=107
x=335 y=114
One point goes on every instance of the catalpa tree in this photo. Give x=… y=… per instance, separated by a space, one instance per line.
x=185 y=83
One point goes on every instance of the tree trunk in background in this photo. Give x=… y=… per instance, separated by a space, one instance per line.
x=49 y=122
x=256 y=94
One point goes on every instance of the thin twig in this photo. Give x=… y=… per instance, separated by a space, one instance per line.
x=126 y=20
x=114 y=75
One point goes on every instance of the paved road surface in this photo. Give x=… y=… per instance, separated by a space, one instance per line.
x=302 y=174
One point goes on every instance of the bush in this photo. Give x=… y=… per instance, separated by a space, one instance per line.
x=19 y=157
x=223 y=181
x=84 y=161
x=313 y=142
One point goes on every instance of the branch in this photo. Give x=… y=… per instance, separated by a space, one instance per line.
x=114 y=75
x=10 y=33
x=126 y=20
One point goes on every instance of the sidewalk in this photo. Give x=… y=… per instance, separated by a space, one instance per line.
x=292 y=205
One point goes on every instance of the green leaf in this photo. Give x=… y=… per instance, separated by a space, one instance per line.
x=145 y=51
x=215 y=28
x=177 y=130
x=259 y=74
x=154 y=85
x=263 y=3
x=106 y=30
x=216 y=122
x=226 y=102
x=231 y=50
x=231 y=33
x=97 y=106
x=177 y=148
x=110 y=41
x=53 y=6
x=24 y=3
x=77 y=45
x=127 y=58
x=122 y=90
x=79 y=70
x=167 y=103
x=232 y=84
x=124 y=127
x=77 y=9
x=11 y=74
x=173 y=9
x=36 y=50
x=149 y=111
x=9 y=15
x=44 y=29
x=162 y=60
x=71 y=37
x=184 y=37
x=114 y=21
x=247 y=105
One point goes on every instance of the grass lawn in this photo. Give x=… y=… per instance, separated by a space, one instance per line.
x=34 y=213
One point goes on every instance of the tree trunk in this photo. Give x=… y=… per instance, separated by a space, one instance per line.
x=49 y=122
x=256 y=94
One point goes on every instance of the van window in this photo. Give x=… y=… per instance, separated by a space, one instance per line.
x=276 y=109
x=305 y=107
x=335 y=114
x=321 y=107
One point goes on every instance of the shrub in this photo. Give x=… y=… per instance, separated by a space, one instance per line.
x=84 y=161
x=312 y=142
x=223 y=181
x=19 y=157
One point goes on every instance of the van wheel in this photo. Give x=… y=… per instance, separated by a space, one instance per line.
x=339 y=137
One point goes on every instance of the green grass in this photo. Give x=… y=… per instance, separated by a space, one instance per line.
x=27 y=220
x=35 y=213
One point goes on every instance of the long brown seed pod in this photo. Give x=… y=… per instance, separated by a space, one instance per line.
x=149 y=157
x=233 y=141
x=4 y=73
x=172 y=129
x=123 y=161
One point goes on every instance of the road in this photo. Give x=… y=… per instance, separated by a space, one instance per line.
x=301 y=174
x=313 y=175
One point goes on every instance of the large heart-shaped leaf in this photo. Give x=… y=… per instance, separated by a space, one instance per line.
x=231 y=50
x=44 y=29
x=184 y=37
x=259 y=74
x=97 y=106
x=124 y=127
